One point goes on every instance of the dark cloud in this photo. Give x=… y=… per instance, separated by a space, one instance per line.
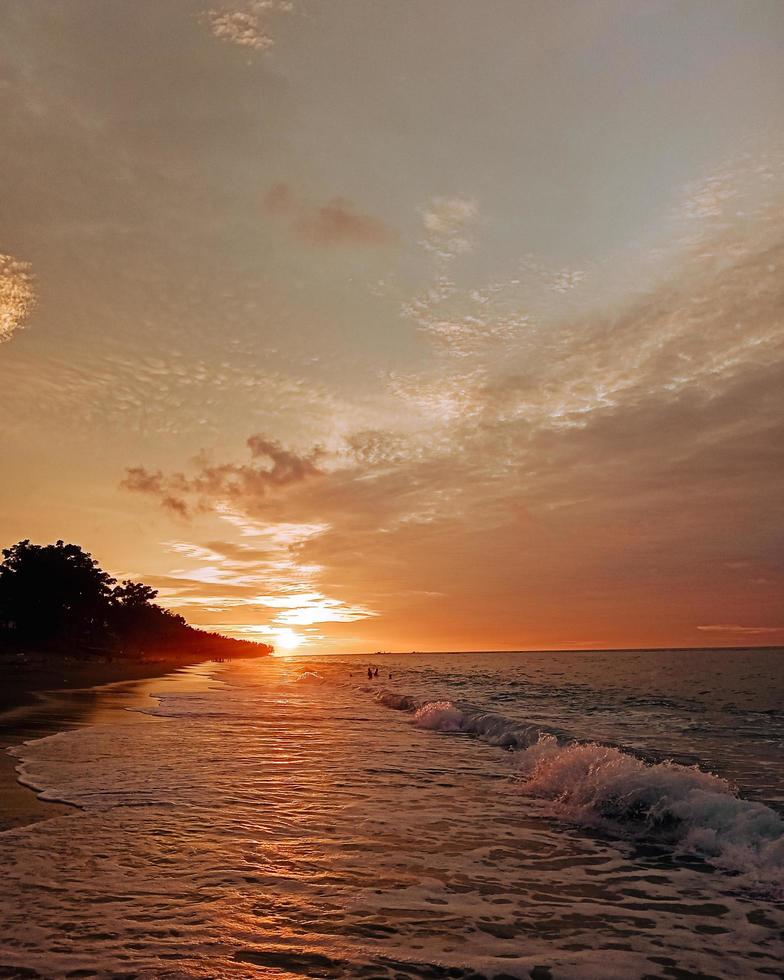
x=210 y=482
x=153 y=482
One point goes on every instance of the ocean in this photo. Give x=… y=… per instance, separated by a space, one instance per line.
x=609 y=814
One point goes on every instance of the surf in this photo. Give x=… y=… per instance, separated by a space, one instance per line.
x=612 y=789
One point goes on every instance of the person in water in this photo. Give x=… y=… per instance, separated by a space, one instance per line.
x=375 y=672
x=370 y=674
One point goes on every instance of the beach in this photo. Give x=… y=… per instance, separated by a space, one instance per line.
x=41 y=697
x=288 y=817
x=446 y=330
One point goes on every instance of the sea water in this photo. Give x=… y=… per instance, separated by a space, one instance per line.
x=531 y=815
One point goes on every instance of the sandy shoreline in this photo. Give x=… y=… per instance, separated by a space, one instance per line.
x=70 y=694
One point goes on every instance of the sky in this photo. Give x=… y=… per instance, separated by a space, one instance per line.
x=356 y=325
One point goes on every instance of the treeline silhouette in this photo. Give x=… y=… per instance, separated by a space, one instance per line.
x=56 y=599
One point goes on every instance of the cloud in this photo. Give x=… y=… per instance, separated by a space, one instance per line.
x=246 y=25
x=17 y=295
x=164 y=395
x=226 y=481
x=307 y=608
x=747 y=630
x=139 y=479
x=259 y=588
x=144 y=481
x=447 y=221
x=466 y=321
x=336 y=223
x=624 y=461
x=287 y=467
x=463 y=333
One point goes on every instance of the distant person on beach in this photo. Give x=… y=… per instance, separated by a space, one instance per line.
x=370 y=674
x=375 y=672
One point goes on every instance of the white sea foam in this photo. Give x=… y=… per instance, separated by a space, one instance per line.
x=440 y=716
x=446 y=716
x=606 y=787
x=309 y=677
x=698 y=812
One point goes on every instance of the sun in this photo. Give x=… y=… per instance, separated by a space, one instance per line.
x=286 y=640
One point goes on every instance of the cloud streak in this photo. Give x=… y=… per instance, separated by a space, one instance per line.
x=734 y=628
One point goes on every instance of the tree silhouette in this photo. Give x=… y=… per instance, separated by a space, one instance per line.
x=133 y=594
x=54 y=591
x=136 y=619
x=57 y=598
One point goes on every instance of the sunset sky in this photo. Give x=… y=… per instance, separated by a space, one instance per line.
x=402 y=324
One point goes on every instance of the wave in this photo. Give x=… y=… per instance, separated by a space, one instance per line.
x=610 y=788
x=491 y=727
x=400 y=702
x=698 y=812
x=309 y=677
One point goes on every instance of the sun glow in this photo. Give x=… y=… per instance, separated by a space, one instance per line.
x=283 y=639
x=286 y=640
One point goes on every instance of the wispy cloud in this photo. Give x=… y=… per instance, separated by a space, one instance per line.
x=461 y=321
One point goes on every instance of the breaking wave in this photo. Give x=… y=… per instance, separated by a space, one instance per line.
x=609 y=788
x=445 y=716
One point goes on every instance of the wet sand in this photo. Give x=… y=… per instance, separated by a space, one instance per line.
x=40 y=700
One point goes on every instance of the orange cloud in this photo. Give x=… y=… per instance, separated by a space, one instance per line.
x=337 y=222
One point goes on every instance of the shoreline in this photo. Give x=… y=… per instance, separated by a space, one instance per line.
x=70 y=694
